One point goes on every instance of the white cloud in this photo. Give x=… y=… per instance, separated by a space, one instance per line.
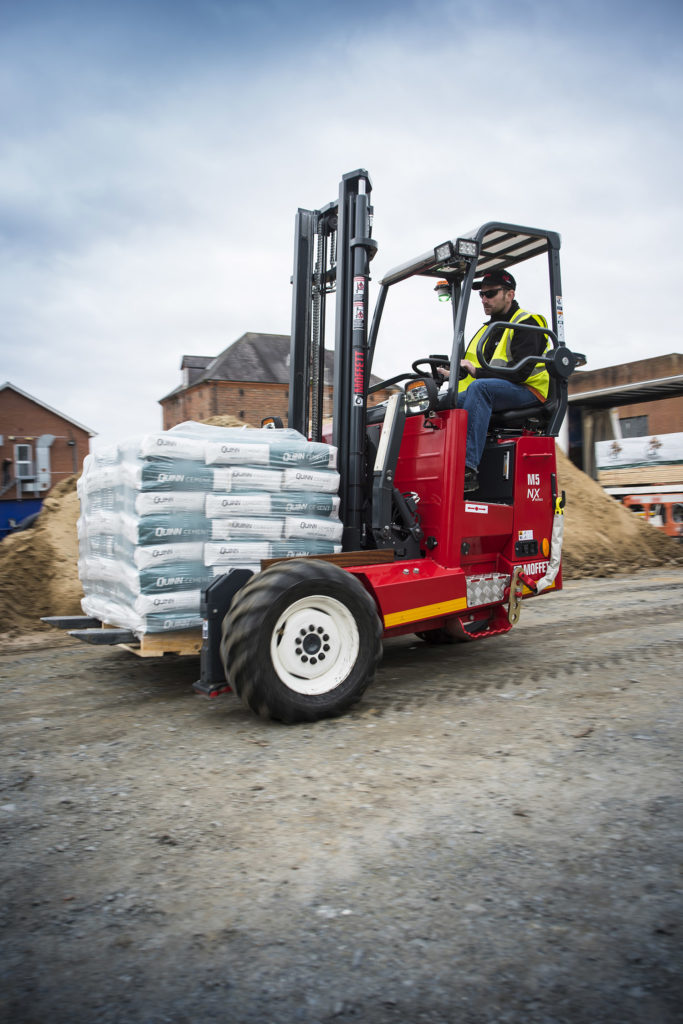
x=151 y=216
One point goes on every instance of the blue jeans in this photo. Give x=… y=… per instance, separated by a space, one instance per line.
x=490 y=394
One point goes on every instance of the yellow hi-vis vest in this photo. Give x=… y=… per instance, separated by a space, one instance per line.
x=538 y=382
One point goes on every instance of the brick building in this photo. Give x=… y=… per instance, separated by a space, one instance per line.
x=638 y=419
x=638 y=399
x=39 y=447
x=248 y=380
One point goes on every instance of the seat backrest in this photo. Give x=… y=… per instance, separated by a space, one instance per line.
x=542 y=418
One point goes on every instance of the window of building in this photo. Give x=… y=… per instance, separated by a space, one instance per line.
x=23 y=461
x=634 y=426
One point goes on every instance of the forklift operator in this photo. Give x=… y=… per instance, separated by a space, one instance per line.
x=481 y=391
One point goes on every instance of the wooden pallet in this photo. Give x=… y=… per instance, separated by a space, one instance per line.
x=157 y=645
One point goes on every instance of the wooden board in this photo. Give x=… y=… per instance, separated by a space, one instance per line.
x=156 y=645
x=344 y=558
x=661 y=476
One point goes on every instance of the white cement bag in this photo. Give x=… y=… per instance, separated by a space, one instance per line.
x=325 y=481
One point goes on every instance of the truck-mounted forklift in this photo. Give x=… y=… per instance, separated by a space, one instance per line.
x=301 y=639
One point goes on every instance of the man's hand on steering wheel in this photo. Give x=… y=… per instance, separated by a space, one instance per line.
x=439 y=367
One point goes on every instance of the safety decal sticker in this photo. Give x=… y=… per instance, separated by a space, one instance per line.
x=525 y=535
x=559 y=307
x=359 y=286
x=424 y=612
x=480 y=509
x=358 y=313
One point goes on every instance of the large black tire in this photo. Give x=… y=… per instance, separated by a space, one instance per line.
x=301 y=641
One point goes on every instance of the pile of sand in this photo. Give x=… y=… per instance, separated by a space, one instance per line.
x=601 y=537
x=225 y=421
x=38 y=566
x=39 y=575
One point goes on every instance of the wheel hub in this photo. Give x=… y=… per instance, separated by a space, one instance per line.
x=314 y=644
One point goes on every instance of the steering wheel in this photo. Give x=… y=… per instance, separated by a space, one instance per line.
x=435 y=364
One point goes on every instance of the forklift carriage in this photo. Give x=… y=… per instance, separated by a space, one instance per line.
x=301 y=639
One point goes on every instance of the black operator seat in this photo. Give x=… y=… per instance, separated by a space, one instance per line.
x=534 y=416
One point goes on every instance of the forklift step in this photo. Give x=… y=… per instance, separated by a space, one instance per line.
x=492 y=631
x=104 y=636
x=70 y=621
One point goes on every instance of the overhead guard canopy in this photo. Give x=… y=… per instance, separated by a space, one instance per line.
x=500 y=246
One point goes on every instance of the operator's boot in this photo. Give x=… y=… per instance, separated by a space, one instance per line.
x=471 y=479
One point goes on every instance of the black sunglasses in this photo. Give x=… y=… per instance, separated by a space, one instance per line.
x=489 y=293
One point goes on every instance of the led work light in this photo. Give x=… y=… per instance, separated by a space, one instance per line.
x=467 y=247
x=464 y=248
x=444 y=252
x=443 y=291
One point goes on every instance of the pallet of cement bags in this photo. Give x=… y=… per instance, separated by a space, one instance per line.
x=163 y=514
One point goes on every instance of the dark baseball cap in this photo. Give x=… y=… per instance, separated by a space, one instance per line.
x=496 y=277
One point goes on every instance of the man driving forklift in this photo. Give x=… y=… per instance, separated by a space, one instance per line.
x=481 y=391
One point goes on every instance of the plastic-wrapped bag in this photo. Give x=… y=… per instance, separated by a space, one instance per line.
x=164 y=514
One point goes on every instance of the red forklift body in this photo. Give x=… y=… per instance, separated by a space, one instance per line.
x=464 y=539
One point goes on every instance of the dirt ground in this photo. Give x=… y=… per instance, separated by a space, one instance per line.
x=493 y=835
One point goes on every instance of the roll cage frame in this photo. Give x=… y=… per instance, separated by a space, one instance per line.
x=498 y=246
x=333 y=248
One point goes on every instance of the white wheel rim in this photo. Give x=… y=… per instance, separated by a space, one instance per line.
x=314 y=645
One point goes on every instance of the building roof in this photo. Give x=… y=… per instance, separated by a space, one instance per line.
x=195 y=362
x=44 y=405
x=644 y=380
x=629 y=394
x=257 y=358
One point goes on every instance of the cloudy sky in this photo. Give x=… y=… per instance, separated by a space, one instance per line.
x=153 y=155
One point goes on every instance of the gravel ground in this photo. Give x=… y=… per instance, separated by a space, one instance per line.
x=493 y=834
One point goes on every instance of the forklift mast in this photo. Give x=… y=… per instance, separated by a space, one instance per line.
x=333 y=248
